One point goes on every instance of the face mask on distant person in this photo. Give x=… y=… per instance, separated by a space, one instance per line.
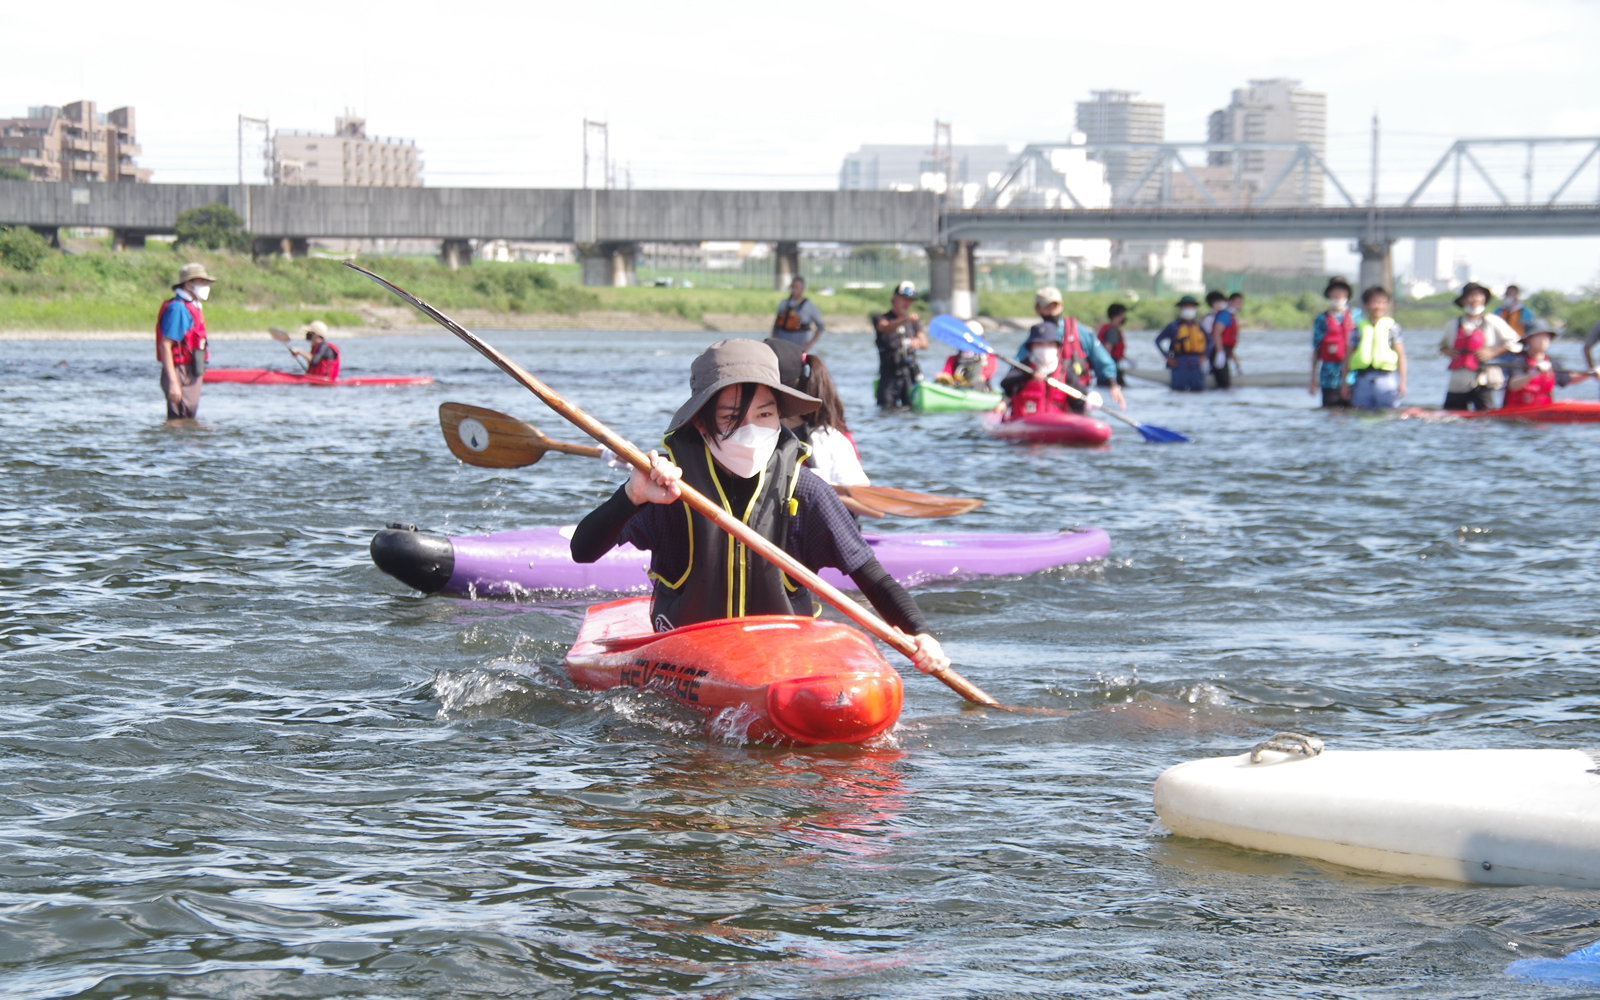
x=1337 y=303
x=1044 y=357
x=745 y=452
x=1187 y=312
x=202 y=292
x=1474 y=308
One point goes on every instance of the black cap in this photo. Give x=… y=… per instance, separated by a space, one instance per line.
x=1187 y=300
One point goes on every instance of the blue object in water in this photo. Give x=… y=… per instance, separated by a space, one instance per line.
x=1582 y=966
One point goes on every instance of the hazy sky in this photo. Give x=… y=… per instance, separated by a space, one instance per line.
x=756 y=95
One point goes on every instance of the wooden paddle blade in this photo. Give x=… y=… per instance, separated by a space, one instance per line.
x=856 y=507
x=489 y=439
x=909 y=503
x=281 y=336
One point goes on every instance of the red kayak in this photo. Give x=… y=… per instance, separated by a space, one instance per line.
x=268 y=376
x=766 y=678
x=1562 y=411
x=1048 y=428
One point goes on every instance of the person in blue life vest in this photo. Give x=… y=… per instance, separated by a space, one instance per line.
x=1331 y=331
x=798 y=321
x=322 y=360
x=1187 y=347
x=1373 y=375
x=1081 y=354
x=181 y=345
x=729 y=443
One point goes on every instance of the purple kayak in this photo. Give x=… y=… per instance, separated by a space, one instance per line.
x=539 y=559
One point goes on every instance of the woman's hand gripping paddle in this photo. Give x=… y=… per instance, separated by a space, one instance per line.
x=495 y=440
x=713 y=512
x=957 y=334
x=282 y=337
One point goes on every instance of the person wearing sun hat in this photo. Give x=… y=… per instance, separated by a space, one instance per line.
x=728 y=442
x=1186 y=346
x=323 y=358
x=1536 y=386
x=181 y=345
x=1471 y=341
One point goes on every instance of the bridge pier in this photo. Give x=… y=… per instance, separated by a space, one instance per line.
x=455 y=254
x=951 y=288
x=609 y=264
x=1377 y=264
x=786 y=265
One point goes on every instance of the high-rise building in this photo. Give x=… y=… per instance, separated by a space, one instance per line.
x=1114 y=116
x=345 y=158
x=73 y=143
x=1277 y=110
x=918 y=168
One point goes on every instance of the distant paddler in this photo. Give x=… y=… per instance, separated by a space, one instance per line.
x=729 y=443
x=799 y=321
x=1512 y=310
x=1373 y=376
x=1331 y=331
x=181 y=344
x=1537 y=385
x=1079 y=358
x=1471 y=341
x=1187 y=347
x=900 y=337
x=322 y=360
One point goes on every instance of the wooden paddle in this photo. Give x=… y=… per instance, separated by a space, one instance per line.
x=707 y=508
x=282 y=337
x=495 y=440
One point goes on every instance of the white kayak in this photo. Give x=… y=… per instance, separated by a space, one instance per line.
x=1504 y=817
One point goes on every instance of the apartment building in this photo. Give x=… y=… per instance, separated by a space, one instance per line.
x=347 y=157
x=1113 y=116
x=73 y=142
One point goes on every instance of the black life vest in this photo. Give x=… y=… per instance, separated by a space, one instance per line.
x=723 y=578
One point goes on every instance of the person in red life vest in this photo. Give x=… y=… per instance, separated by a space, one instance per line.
x=1114 y=341
x=1187 y=347
x=1471 y=341
x=323 y=358
x=1030 y=392
x=181 y=345
x=968 y=370
x=1331 y=330
x=729 y=443
x=1215 y=323
x=1535 y=387
x=1228 y=336
x=1083 y=355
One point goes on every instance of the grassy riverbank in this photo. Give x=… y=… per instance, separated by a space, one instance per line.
x=102 y=290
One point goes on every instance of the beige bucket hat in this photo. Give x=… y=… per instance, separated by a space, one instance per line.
x=730 y=362
x=192 y=272
x=316 y=327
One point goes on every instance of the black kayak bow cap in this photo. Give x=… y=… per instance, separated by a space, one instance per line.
x=732 y=362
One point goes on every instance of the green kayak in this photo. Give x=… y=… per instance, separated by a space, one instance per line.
x=931 y=397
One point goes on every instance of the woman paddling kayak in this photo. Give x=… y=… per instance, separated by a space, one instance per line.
x=728 y=443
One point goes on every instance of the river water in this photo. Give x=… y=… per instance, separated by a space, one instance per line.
x=238 y=761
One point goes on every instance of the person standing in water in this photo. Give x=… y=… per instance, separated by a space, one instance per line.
x=1215 y=324
x=799 y=321
x=728 y=442
x=1330 y=343
x=900 y=337
x=1114 y=341
x=1186 y=347
x=323 y=358
x=1516 y=315
x=181 y=345
x=1376 y=360
x=1471 y=341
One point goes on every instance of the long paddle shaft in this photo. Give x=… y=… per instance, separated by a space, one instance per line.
x=720 y=517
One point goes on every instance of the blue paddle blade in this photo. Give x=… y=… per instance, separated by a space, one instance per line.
x=1160 y=435
x=949 y=330
x=1580 y=967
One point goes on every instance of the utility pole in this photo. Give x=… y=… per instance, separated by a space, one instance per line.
x=244 y=189
x=1372 y=201
x=944 y=155
x=606 y=172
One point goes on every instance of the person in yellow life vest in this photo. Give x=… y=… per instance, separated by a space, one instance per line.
x=1377 y=357
x=1187 y=347
x=1516 y=315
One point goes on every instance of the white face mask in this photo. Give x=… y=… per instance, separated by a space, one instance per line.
x=1187 y=312
x=1045 y=357
x=747 y=451
x=1337 y=305
x=1475 y=309
x=202 y=292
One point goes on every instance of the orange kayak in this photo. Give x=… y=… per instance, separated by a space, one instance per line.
x=767 y=678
